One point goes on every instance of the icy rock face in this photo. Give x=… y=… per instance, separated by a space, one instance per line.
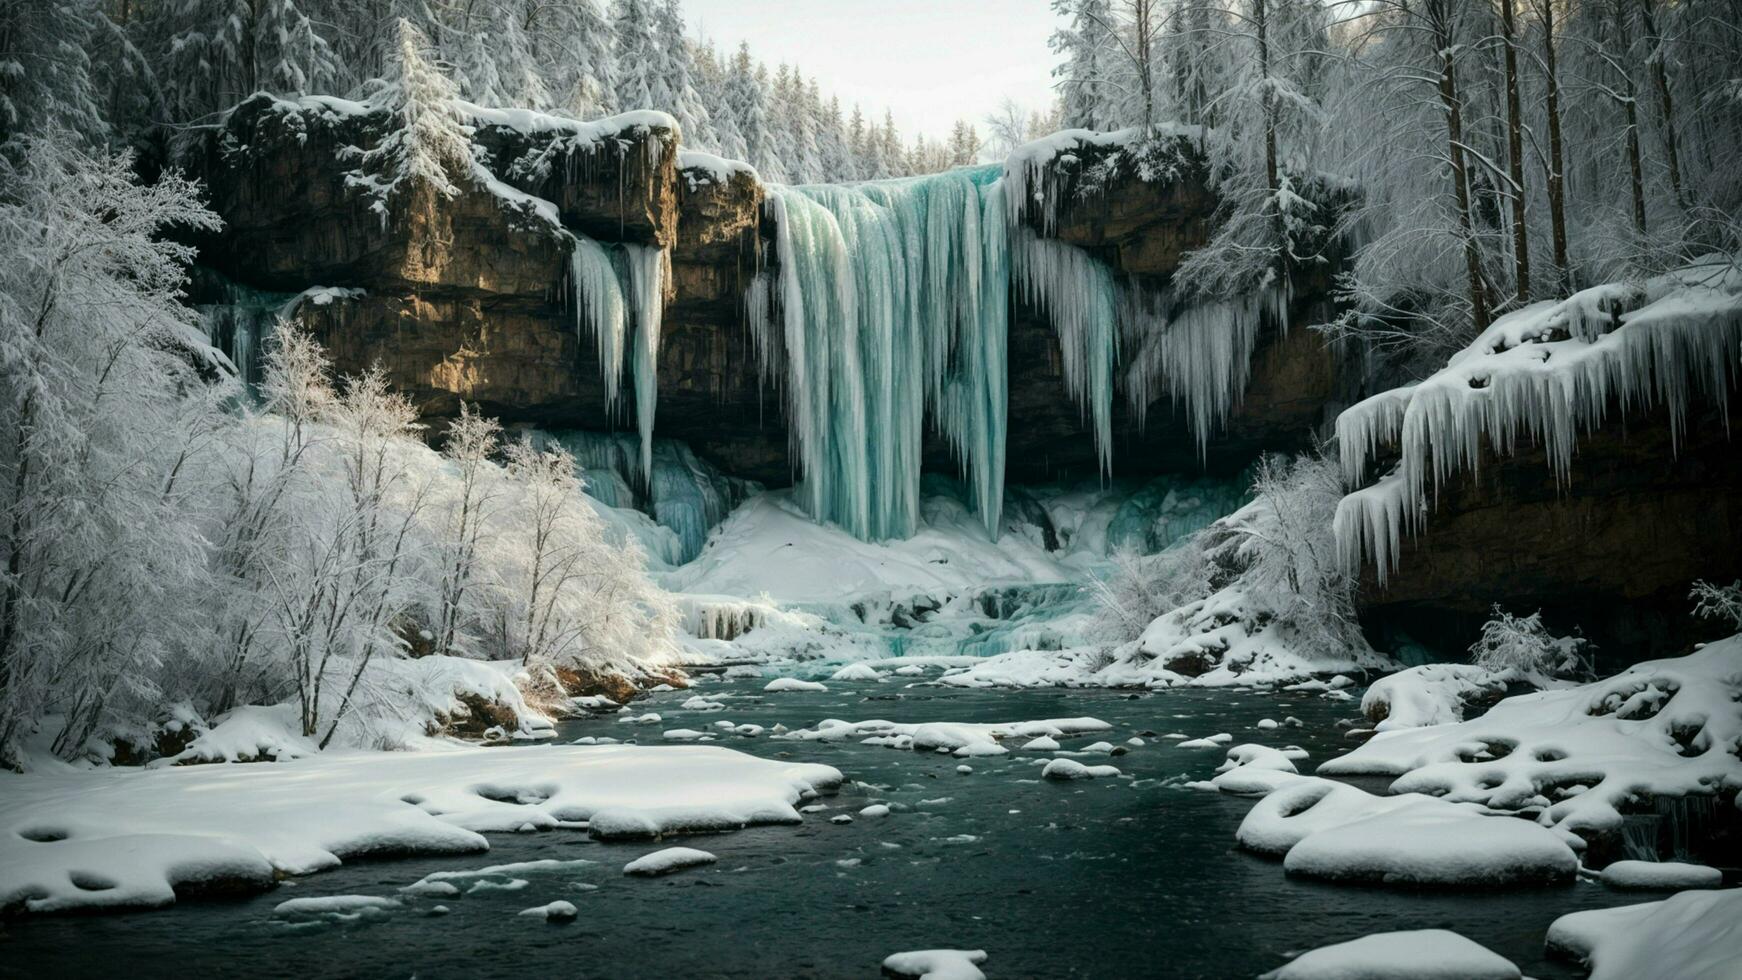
x=1576 y=453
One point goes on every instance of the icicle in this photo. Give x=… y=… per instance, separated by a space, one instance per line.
x=890 y=299
x=1547 y=373
x=599 y=304
x=648 y=268
x=1077 y=293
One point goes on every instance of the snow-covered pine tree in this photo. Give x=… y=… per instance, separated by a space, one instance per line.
x=638 y=82
x=431 y=141
x=747 y=95
x=675 y=68
x=1089 y=50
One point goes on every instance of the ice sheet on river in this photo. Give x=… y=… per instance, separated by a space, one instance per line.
x=85 y=839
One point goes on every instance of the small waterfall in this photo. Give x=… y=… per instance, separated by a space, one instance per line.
x=1673 y=831
x=240 y=323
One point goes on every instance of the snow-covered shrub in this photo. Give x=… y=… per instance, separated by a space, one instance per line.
x=1522 y=644
x=1720 y=602
x=1142 y=587
x=1285 y=552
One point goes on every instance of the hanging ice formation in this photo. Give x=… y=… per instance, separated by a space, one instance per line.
x=891 y=298
x=244 y=320
x=1548 y=372
x=619 y=296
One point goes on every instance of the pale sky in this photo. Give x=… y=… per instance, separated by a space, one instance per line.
x=930 y=62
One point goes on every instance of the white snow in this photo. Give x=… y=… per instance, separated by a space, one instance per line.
x=1067 y=769
x=1252 y=770
x=855 y=672
x=705 y=168
x=964 y=739
x=1432 y=694
x=937 y=964
x=875 y=810
x=1660 y=874
x=1331 y=830
x=1422 y=954
x=557 y=911
x=142 y=833
x=668 y=860
x=1696 y=935
x=334 y=905
x=793 y=684
x=1044 y=743
x=1577 y=755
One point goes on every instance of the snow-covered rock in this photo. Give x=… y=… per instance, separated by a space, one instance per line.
x=936 y=964
x=855 y=672
x=668 y=860
x=1432 y=694
x=1331 y=830
x=1660 y=874
x=143 y=833
x=1067 y=769
x=1661 y=728
x=557 y=911
x=781 y=684
x=1422 y=954
x=337 y=906
x=1696 y=935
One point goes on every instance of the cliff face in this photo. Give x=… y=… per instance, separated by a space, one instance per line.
x=1612 y=552
x=468 y=298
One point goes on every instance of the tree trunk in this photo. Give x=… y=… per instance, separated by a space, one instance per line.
x=1660 y=78
x=1440 y=20
x=1515 y=157
x=1557 y=189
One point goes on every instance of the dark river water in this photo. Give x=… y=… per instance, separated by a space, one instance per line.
x=1130 y=877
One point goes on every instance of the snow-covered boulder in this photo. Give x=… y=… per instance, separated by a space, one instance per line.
x=791 y=684
x=1579 y=755
x=936 y=964
x=1669 y=875
x=1696 y=935
x=1421 y=954
x=1068 y=769
x=1432 y=694
x=1335 y=831
x=668 y=860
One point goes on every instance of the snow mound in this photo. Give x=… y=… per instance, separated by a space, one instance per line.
x=1660 y=874
x=793 y=684
x=116 y=838
x=1067 y=769
x=1695 y=935
x=1334 y=831
x=1423 y=954
x=1432 y=694
x=855 y=672
x=1576 y=756
x=669 y=860
x=936 y=964
x=557 y=911
x=337 y=906
x=1254 y=770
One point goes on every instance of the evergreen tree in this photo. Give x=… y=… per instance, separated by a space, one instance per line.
x=638 y=82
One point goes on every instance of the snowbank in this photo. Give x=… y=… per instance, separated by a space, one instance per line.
x=1423 y=954
x=104 y=838
x=1576 y=757
x=1692 y=936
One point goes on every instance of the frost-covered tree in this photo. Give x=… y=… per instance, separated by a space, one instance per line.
x=639 y=82
x=101 y=572
x=1085 y=73
x=218 y=52
x=748 y=98
x=45 y=70
x=431 y=141
x=471 y=440
x=676 y=70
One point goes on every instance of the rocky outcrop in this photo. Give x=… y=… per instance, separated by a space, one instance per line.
x=468 y=298
x=1612 y=552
